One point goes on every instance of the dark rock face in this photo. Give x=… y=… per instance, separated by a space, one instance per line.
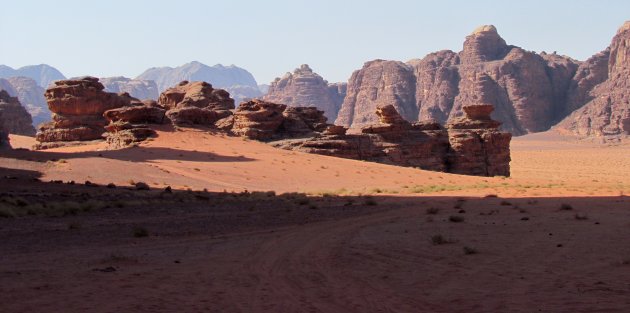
x=31 y=95
x=42 y=74
x=78 y=107
x=607 y=114
x=14 y=119
x=471 y=145
x=191 y=103
x=528 y=91
x=140 y=89
x=378 y=83
x=304 y=88
x=237 y=81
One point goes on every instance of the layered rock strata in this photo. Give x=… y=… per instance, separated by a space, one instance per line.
x=196 y=103
x=78 y=106
x=470 y=145
x=305 y=88
x=14 y=119
x=607 y=113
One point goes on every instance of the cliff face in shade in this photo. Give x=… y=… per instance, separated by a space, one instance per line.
x=607 y=114
x=42 y=74
x=305 y=88
x=237 y=81
x=141 y=89
x=377 y=84
x=14 y=119
x=528 y=90
x=31 y=96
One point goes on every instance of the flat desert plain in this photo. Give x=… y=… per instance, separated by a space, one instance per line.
x=250 y=228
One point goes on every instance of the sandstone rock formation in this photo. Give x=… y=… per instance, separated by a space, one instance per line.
x=305 y=88
x=190 y=103
x=237 y=81
x=31 y=95
x=128 y=125
x=78 y=106
x=528 y=90
x=258 y=119
x=477 y=147
x=14 y=119
x=140 y=89
x=378 y=83
x=471 y=145
x=607 y=114
x=42 y=74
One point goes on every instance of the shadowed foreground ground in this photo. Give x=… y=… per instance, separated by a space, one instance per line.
x=209 y=252
x=551 y=238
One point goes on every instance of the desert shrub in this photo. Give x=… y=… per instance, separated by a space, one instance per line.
x=470 y=250
x=439 y=240
x=566 y=207
x=456 y=218
x=370 y=201
x=140 y=232
x=432 y=211
x=581 y=217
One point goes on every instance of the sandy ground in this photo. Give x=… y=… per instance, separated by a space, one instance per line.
x=551 y=238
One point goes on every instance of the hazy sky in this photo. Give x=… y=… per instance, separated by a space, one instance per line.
x=269 y=38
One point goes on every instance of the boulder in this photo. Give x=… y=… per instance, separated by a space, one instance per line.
x=258 y=119
x=196 y=103
x=78 y=106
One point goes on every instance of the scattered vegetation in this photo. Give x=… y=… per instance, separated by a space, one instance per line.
x=581 y=217
x=456 y=218
x=11 y=206
x=566 y=207
x=438 y=239
x=432 y=211
x=370 y=201
x=470 y=250
x=140 y=232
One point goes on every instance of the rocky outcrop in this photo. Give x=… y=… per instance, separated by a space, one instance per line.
x=14 y=119
x=528 y=90
x=471 y=145
x=589 y=74
x=607 y=114
x=78 y=106
x=129 y=125
x=476 y=145
x=137 y=88
x=378 y=83
x=42 y=74
x=31 y=95
x=258 y=119
x=235 y=80
x=305 y=88
x=196 y=103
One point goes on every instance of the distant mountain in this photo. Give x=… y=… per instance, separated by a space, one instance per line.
x=42 y=74
x=237 y=81
x=137 y=88
x=31 y=96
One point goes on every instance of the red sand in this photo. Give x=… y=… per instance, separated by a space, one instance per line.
x=330 y=254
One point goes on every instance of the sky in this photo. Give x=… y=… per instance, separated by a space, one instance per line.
x=268 y=38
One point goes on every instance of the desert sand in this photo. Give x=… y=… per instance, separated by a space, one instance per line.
x=366 y=237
